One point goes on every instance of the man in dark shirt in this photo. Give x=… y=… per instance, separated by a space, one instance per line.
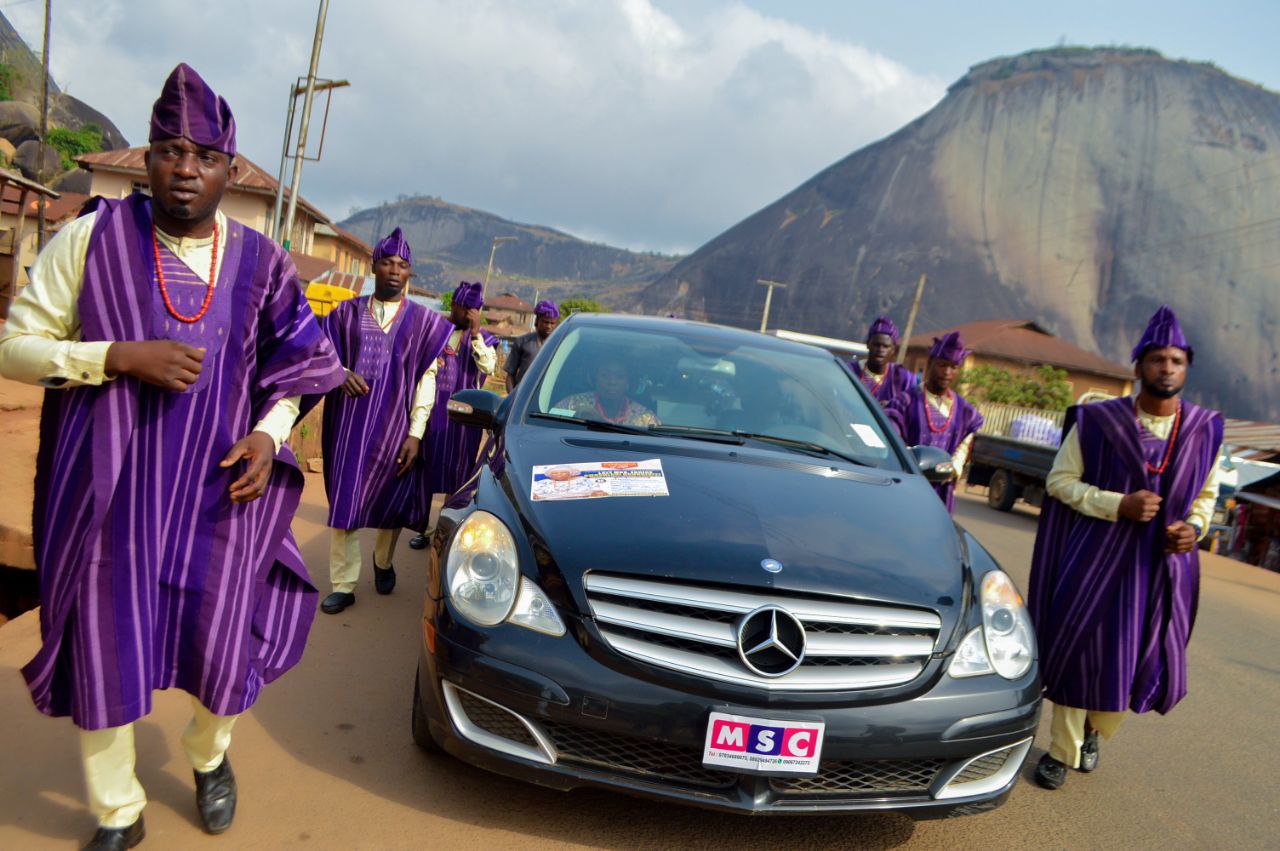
x=546 y=318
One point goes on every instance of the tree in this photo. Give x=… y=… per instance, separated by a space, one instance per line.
x=1045 y=388
x=580 y=304
x=446 y=301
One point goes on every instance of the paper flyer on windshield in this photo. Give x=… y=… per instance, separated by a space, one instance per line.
x=597 y=479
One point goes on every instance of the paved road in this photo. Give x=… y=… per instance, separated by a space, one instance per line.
x=325 y=760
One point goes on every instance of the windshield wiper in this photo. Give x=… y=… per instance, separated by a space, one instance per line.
x=716 y=435
x=595 y=425
x=802 y=446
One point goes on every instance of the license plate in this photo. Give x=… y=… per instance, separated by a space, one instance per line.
x=763 y=745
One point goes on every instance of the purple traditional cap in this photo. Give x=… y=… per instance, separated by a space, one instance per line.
x=547 y=309
x=188 y=109
x=884 y=325
x=949 y=347
x=470 y=296
x=1163 y=330
x=394 y=245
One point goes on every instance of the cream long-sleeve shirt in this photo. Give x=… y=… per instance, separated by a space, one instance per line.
x=41 y=342
x=1065 y=484
x=943 y=406
x=424 y=398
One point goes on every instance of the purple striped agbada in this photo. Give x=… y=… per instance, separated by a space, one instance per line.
x=896 y=379
x=150 y=577
x=363 y=434
x=1113 y=611
x=916 y=420
x=449 y=450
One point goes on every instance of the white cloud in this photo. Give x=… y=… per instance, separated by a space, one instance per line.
x=618 y=119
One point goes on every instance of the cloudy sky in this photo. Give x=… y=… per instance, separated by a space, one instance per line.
x=645 y=123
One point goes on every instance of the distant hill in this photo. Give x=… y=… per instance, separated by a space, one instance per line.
x=1077 y=187
x=451 y=242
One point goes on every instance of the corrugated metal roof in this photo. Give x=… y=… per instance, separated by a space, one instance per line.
x=1250 y=434
x=1024 y=341
x=250 y=177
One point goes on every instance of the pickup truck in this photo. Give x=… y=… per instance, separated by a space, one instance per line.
x=1010 y=469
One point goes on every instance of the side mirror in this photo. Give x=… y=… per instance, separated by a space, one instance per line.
x=934 y=463
x=477 y=408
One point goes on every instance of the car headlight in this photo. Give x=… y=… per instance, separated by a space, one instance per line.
x=534 y=611
x=1010 y=639
x=481 y=572
x=971 y=659
x=1005 y=643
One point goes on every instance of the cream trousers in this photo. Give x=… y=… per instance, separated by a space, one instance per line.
x=1067 y=731
x=116 y=798
x=344 y=556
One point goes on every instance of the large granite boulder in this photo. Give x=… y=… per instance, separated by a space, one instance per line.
x=36 y=160
x=19 y=122
x=1077 y=187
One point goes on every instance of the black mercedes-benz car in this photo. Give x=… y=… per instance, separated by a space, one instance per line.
x=696 y=563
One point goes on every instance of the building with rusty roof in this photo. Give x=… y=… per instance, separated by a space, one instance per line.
x=1021 y=344
x=250 y=197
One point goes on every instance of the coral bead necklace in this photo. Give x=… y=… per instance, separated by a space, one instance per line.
x=928 y=413
x=1168 y=447
x=164 y=290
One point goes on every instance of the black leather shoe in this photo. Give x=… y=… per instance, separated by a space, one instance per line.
x=1050 y=773
x=336 y=602
x=117 y=838
x=384 y=581
x=1089 y=751
x=216 y=797
x=418 y=542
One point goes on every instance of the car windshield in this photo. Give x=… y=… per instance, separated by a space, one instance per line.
x=701 y=388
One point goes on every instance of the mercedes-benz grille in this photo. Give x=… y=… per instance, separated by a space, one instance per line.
x=713 y=632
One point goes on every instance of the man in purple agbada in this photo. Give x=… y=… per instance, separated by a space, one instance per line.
x=932 y=414
x=176 y=344
x=374 y=423
x=882 y=376
x=1115 y=575
x=450 y=455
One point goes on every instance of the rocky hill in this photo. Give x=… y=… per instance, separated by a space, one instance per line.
x=1079 y=187
x=451 y=242
x=20 y=147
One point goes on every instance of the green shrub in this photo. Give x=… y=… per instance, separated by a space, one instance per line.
x=73 y=143
x=1044 y=387
x=9 y=79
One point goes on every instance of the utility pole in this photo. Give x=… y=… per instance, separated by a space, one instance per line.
x=911 y=319
x=300 y=87
x=306 y=122
x=44 y=128
x=768 y=299
x=493 y=249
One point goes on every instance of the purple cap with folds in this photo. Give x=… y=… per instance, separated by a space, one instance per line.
x=469 y=295
x=884 y=325
x=1162 y=331
x=188 y=109
x=394 y=245
x=547 y=309
x=949 y=347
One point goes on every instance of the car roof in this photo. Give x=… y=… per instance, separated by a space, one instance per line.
x=692 y=329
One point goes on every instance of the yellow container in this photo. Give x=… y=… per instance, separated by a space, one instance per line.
x=324 y=297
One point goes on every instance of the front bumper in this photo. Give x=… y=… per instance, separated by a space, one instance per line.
x=578 y=722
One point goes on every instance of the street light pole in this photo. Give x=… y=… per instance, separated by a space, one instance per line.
x=44 y=131
x=493 y=249
x=306 y=122
x=273 y=226
x=768 y=300
x=911 y=319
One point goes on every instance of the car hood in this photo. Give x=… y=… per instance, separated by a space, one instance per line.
x=835 y=528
